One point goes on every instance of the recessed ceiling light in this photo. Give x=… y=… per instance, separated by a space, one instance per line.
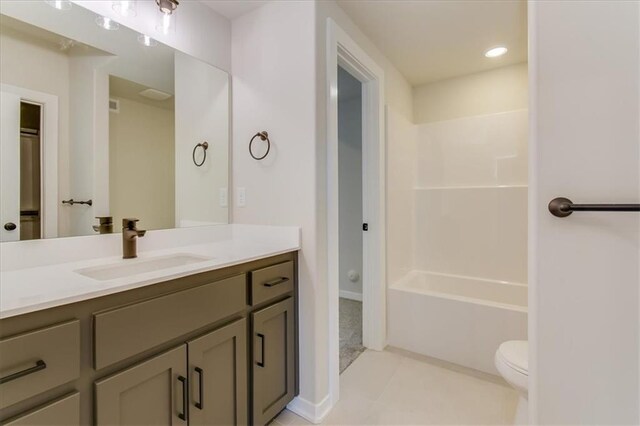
x=495 y=52
x=59 y=4
x=107 y=23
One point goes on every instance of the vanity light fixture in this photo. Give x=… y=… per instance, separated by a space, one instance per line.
x=167 y=6
x=125 y=8
x=107 y=23
x=145 y=40
x=495 y=52
x=59 y=4
x=167 y=15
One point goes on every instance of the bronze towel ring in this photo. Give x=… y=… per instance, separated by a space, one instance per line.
x=205 y=146
x=263 y=135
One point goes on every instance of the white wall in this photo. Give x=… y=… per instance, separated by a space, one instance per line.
x=350 y=181
x=88 y=93
x=585 y=322
x=202 y=108
x=274 y=70
x=278 y=56
x=142 y=165
x=488 y=92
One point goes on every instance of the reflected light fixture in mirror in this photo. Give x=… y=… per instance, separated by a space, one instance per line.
x=59 y=4
x=145 y=40
x=107 y=23
x=167 y=15
x=125 y=8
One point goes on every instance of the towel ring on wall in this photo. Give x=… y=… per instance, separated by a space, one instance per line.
x=263 y=135
x=205 y=146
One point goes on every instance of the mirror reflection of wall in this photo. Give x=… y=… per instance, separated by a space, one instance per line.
x=141 y=154
x=119 y=119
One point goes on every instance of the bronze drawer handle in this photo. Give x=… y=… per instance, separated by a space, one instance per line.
x=276 y=282
x=183 y=414
x=261 y=362
x=40 y=365
x=200 y=404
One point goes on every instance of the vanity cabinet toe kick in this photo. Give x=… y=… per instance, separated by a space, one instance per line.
x=215 y=348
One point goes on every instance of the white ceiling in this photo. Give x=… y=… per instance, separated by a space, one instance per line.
x=431 y=40
x=231 y=9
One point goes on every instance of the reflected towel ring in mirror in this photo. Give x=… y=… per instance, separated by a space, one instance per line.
x=205 y=146
x=263 y=135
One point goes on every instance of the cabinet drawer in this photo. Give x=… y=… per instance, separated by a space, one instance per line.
x=63 y=412
x=133 y=329
x=267 y=283
x=37 y=361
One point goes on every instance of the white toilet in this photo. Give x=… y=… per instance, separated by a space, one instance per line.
x=512 y=361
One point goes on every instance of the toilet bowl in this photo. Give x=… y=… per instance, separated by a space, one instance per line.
x=512 y=361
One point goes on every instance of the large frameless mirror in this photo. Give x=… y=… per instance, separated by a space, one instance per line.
x=100 y=121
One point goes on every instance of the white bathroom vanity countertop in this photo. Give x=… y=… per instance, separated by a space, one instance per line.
x=42 y=274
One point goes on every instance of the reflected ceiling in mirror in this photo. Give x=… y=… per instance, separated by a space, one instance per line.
x=105 y=123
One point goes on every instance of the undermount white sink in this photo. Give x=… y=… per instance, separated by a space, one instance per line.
x=131 y=267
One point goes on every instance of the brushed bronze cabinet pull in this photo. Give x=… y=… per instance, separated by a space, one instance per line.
x=200 y=403
x=276 y=282
x=261 y=362
x=40 y=365
x=183 y=415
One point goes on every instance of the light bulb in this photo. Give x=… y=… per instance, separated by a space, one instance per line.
x=59 y=4
x=125 y=8
x=107 y=23
x=145 y=40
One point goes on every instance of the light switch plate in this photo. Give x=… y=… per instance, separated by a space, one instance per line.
x=242 y=197
x=224 y=197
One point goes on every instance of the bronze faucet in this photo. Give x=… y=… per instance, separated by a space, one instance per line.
x=106 y=225
x=130 y=235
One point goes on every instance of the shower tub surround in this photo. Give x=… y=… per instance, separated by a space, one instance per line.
x=467 y=291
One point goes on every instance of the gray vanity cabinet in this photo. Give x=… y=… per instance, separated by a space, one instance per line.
x=213 y=348
x=218 y=376
x=153 y=392
x=274 y=369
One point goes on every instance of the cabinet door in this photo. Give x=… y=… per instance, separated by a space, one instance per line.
x=63 y=412
x=274 y=368
x=218 y=376
x=153 y=392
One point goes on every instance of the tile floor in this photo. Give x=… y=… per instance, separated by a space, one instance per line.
x=398 y=388
x=350 y=332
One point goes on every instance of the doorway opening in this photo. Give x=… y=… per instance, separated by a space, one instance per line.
x=30 y=171
x=350 y=216
x=344 y=53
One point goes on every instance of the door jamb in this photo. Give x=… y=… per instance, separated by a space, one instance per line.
x=343 y=50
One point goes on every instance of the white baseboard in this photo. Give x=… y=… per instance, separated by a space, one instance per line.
x=352 y=295
x=314 y=413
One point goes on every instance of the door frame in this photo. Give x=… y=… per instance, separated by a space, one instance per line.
x=49 y=154
x=343 y=50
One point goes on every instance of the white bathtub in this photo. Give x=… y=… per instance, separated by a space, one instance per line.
x=458 y=319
